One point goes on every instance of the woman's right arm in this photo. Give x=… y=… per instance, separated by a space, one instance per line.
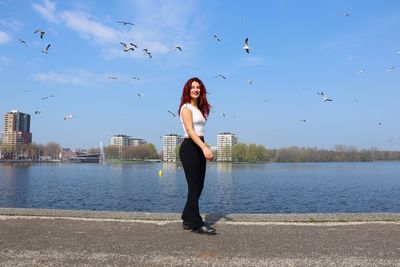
x=188 y=123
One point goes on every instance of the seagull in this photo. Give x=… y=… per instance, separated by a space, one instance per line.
x=41 y=32
x=136 y=78
x=217 y=38
x=220 y=75
x=360 y=72
x=126 y=48
x=37 y=112
x=43 y=98
x=125 y=23
x=112 y=77
x=326 y=99
x=390 y=139
x=148 y=52
x=250 y=82
x=173 y=114
x=68 y=117
x=140 y=95
x=303 y=121
x=391 y=69
x=178 y=47
x=22 y=41
x=46 y=49
x=246 y=45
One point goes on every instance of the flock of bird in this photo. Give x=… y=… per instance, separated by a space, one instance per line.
x=128 y=47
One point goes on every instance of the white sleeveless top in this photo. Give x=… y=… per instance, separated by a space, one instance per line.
x=197 y=117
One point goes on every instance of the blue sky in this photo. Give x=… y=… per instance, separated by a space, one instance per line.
x=298 y=48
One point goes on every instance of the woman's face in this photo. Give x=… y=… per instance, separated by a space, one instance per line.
x=195 y=90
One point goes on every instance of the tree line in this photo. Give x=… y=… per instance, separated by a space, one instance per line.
x=340 y=153
x=140 y=152
x=31 y=151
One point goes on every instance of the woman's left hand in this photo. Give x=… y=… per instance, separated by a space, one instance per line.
x=207 y=153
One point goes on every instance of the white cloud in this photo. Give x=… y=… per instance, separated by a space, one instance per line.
x=12 y=24
x=4 y=37
x=72 y=77
x=84 y=24
x=159 y=26
x=47 y=10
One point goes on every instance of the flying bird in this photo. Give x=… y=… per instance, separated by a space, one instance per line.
x=265 y=100
x=391 y=69
x=68 y=117
x=390 y=139
x=112 y=77
x=140 y=95
x=134 y=45
x=380 y=123
x=178 y=47
x=126 y=48
x=136 y=78
x=147 y=51
x=46 y=49
x=360 y=72
x=303 y=121
x=43 y=98
x=356 y=100
x=250 y=82
x=246 y=45
x=173 y=114
x=41 y=33
x=217 y=38
x=347 y=14
x=125 y=23
x=220 y=75
x=325 y=98
x=22 y=41
x=37 y=112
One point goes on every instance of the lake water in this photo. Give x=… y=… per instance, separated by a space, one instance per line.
x=229 y=188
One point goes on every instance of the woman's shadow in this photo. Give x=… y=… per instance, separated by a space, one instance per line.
x=213 y=218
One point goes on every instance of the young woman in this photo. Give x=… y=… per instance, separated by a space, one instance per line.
x=193 y=153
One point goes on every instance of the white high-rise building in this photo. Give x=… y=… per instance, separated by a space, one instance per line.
x=225 y=142
x=122 y=140
x=170 y=143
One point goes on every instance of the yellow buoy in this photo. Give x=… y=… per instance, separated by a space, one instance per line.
x=160 y=173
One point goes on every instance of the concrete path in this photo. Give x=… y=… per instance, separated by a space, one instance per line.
x=30 y=237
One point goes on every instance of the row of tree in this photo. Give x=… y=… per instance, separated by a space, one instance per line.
x=31 y=151
x=145 y=151
x=340 y=153
x=240 y=153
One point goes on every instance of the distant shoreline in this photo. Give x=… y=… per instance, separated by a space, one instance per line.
x=210 y=162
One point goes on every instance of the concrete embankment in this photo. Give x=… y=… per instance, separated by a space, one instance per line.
x=32 y=237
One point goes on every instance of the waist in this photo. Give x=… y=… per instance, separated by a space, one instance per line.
x=201 y=137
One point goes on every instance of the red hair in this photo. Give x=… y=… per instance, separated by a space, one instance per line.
x=202 y=104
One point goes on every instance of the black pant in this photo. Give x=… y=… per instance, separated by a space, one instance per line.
x=194 y=164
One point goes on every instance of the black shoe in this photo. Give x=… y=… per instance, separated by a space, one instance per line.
x=186 y=226
x=206 y=230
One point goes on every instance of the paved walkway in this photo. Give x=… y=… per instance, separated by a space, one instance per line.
x=31 y=237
